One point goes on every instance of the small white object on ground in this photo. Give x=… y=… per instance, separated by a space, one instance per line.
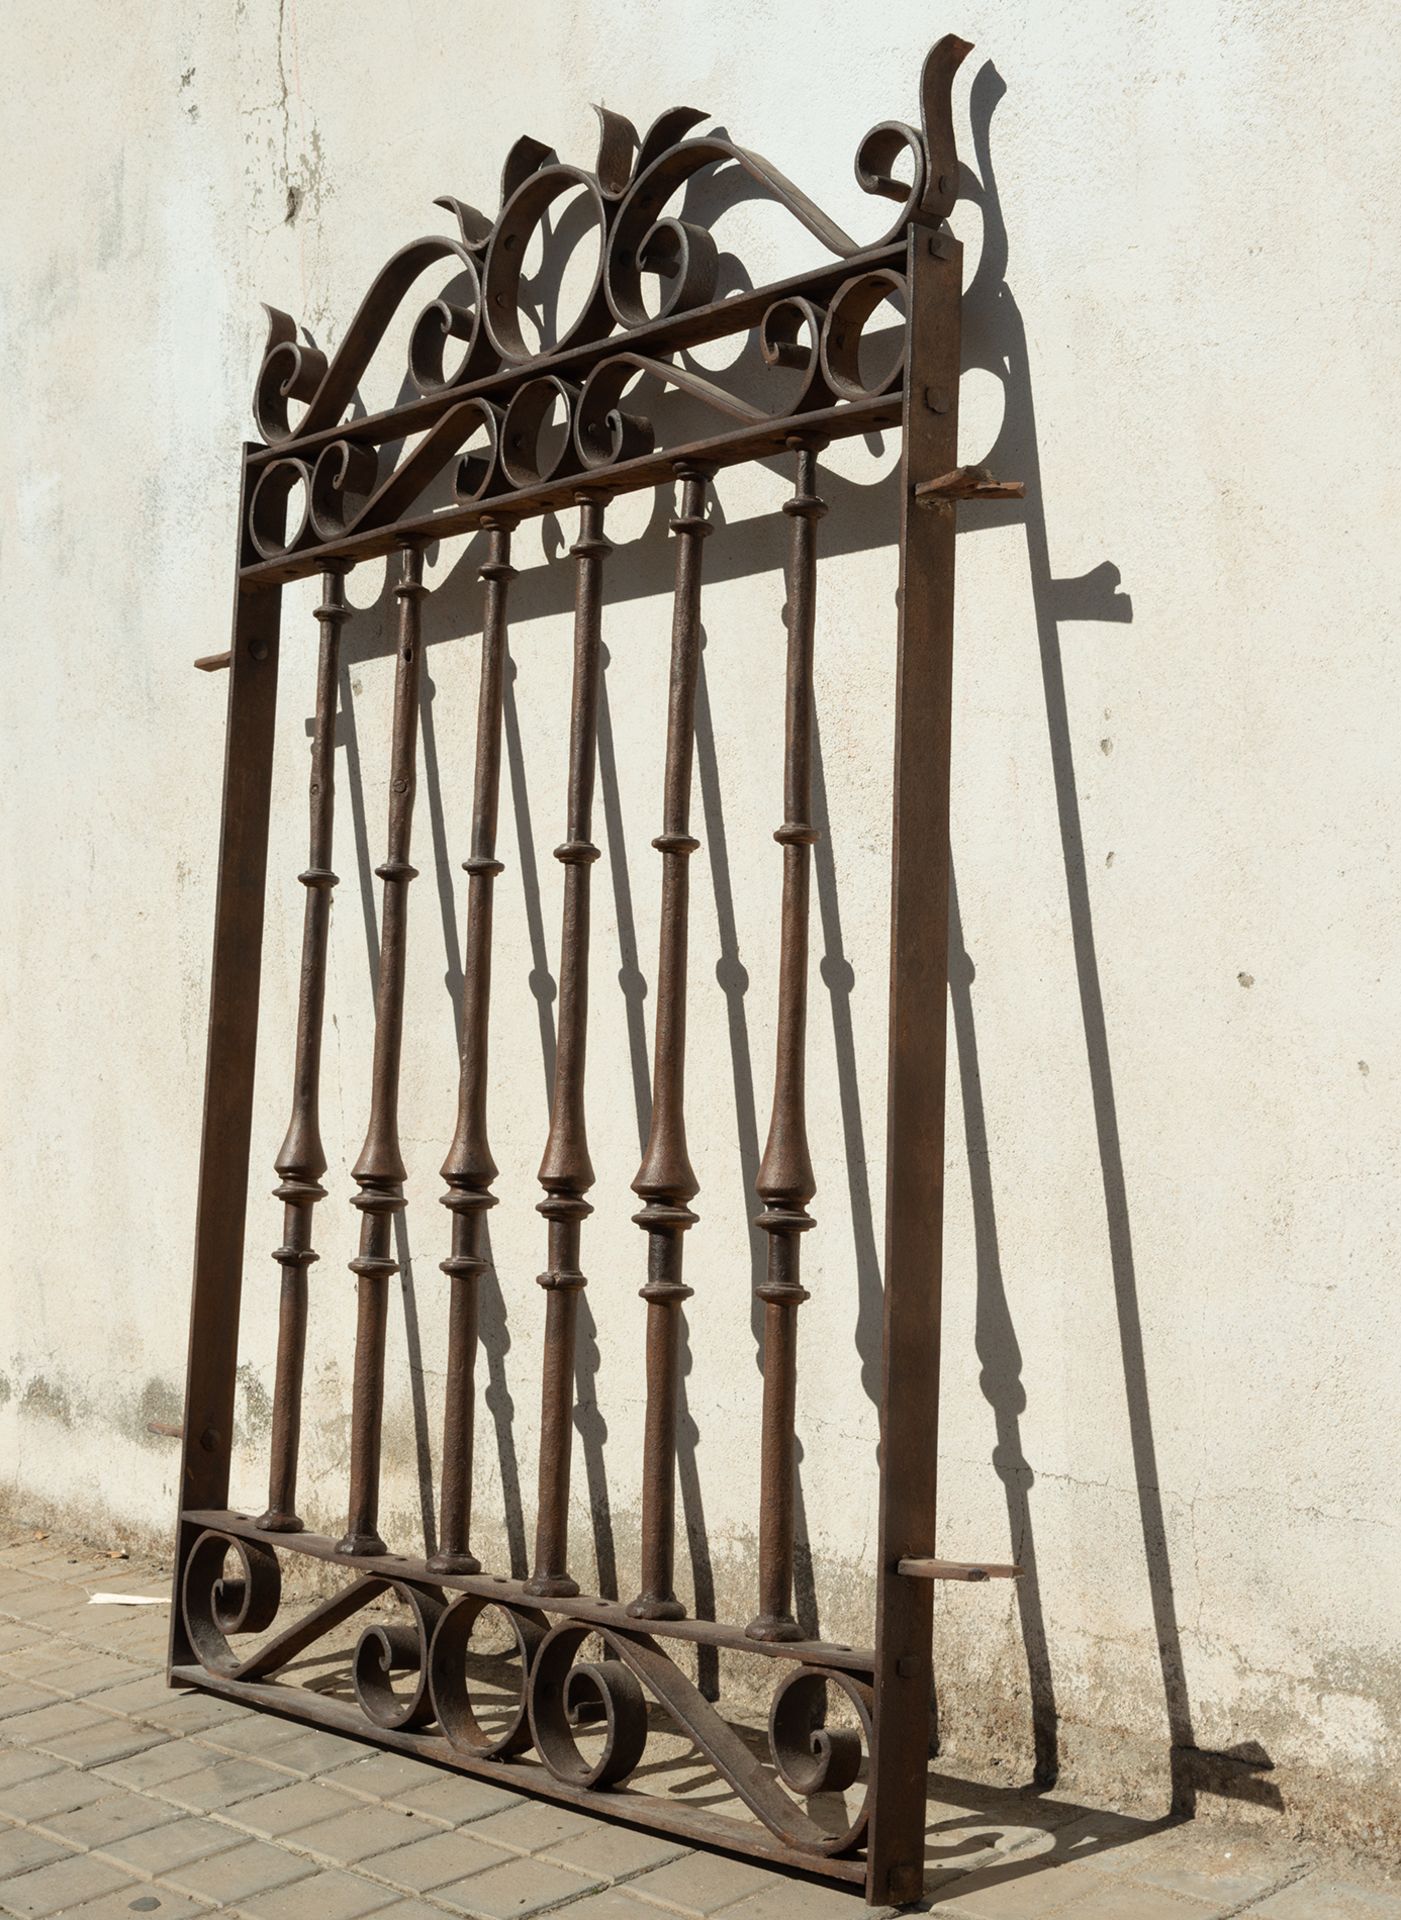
x=128 y=1599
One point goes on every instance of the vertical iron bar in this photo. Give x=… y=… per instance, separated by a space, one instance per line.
x=665 y=1181
x=469 y=1168
x=914 y=1205
x=566 y=1172
x=380 y=1171
x=302 y=1158
x=785 y=1182
x=232 y=1046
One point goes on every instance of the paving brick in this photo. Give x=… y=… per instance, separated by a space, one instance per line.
x=222 y=1784
x=357 y=1833
x=24 y=1663
x=1325 y=1895
x=48 y=1794
x=606 y=1852
x=325 y=1896
x=113 y=1817
x=700 y=1883
x=156 y=1765
x=1113 y=1900
x=158 y=1849
x=63 y=1885
x=425 y=1864
x=160 y=1903
x=312 y=1752
x=109 y=1741
x=87 y=1676
x=20 y=1850
x=379 y=1776
x=17 y=1764
x=1007 y=1891
x=616 y=1903
x=15 y=1634
x=455 y=1798
x=19 y=1701
x=1184 y=1859
x=35 y=1601
x=532 y=1825
x=301 y=1803
x=37 y=1726
x=518 y=1887
x=126 y=1692
x=233 y=1875
x=259 y=1734
x=180 y=1710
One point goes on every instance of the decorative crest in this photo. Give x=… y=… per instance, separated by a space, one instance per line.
x=486 y=391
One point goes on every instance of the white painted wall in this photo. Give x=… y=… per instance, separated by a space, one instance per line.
x=1172 y=1326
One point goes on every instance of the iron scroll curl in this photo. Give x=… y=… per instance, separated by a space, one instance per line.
x=629 y=189
x=559 y=1692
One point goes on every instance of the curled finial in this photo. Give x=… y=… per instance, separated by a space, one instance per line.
x=942 y=62
x=669 y=129
x=617 y=148
x=526 y=156
x=474 y=227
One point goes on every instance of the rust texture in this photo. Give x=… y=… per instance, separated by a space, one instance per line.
x=566 y=1172
x=379 y=1172
x=666 y=1182
x=301 y=1161
x=785 y=1180
x=469 y=1169
x=501 y=431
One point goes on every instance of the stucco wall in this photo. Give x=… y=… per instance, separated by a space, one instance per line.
x=1172 y=1327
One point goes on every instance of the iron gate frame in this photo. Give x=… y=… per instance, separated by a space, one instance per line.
x=502 y=392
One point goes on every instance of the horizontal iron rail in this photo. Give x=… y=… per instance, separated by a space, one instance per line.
x=756 y=441
x=627 y=1805
x=738 y=313
x=513 y=1593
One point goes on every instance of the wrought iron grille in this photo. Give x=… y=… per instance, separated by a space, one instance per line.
x=840 y=1789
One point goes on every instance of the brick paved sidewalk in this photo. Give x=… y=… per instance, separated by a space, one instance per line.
x=119 y=1797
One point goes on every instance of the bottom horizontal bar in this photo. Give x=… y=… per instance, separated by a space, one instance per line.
x=630 y=1808
x=957 y=1570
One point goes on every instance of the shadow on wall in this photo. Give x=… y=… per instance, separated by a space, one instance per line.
x=862 y=518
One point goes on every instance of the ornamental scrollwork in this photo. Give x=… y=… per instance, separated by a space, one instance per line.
x=654 y=266
x=587 y=1720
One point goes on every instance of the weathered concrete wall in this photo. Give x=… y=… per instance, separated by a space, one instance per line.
x=1171 y=1364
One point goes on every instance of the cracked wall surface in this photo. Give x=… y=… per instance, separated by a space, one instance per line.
x=1171 y=1382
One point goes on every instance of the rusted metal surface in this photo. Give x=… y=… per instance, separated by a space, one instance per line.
x=666 y=1181
x=380 y=1172
x=469 y=1169
x=839 y=1788
x=785 y=1180
x=301 y=1161
x=566 y=1172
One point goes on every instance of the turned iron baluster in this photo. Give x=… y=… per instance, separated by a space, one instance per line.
x=301 y=1160
x=469 y=1168
x=666 y=1181
x=785 y=1182
x=380 y=1171
x=566 y=1172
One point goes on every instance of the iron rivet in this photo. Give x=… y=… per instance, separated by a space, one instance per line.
x=907 y=1666
x=936 y=401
